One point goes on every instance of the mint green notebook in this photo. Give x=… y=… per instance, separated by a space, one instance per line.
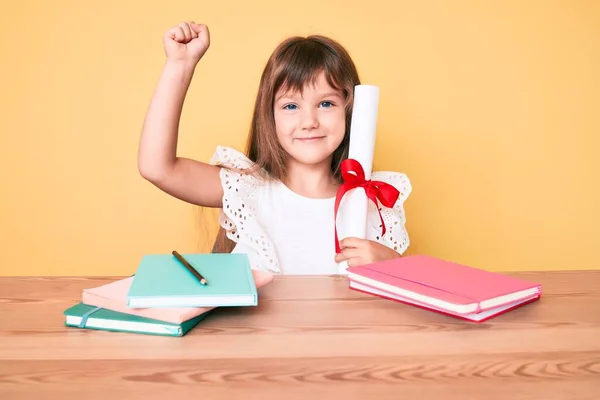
x=162 y=281
x=90 y=317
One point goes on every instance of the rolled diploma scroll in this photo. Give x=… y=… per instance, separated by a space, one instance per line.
x=352 y=212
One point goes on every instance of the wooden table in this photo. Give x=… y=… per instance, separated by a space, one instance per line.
x=309 y=338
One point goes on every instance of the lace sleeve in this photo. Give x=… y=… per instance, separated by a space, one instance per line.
x=239 y=213
x=396 y=237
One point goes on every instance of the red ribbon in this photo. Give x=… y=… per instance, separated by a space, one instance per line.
x=354 y=177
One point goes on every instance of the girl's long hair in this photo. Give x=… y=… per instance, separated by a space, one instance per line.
x=295 y=63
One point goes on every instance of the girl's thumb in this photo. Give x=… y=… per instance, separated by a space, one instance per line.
x=196 y=27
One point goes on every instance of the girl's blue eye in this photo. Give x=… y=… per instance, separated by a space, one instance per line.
x=289 y=107
x=326 y=104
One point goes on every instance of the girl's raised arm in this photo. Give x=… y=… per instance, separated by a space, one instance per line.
x=189 y=180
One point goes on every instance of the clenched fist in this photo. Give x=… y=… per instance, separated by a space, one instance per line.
x=186 y=42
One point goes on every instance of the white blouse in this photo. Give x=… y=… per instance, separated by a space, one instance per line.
x=286 y=233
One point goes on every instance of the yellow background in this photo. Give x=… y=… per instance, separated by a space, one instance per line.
x=490 y=107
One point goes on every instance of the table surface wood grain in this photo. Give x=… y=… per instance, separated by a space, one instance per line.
x=309 y=338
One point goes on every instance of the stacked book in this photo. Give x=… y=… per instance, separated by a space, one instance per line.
x=169 y=294
x=442 y=286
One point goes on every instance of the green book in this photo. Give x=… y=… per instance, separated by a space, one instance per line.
x=162 y=281
x=90 y=317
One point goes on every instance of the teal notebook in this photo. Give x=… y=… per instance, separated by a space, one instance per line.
x=162 y=281
x=90 y=317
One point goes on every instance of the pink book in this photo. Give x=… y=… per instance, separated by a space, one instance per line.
x=113 y=296
x=444 y=286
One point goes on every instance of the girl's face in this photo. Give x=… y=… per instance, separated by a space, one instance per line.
x=310 y=125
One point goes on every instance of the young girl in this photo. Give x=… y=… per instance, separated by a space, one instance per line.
x=277 y=200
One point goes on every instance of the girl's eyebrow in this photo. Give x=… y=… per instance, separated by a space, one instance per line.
x=331 y=94
x=295 y=95
x=286 y=95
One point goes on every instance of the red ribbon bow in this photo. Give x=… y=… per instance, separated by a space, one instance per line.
x=354 y=177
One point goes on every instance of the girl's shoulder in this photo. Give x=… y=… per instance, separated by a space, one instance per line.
x=239 y=175
x=231 y=158
x=239 y=178
x=397 y=179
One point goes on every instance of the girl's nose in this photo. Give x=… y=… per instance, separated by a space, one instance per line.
x=309 y=119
